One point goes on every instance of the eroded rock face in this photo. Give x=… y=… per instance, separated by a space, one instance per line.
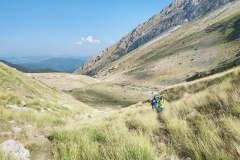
x=14 y=150
x=176 y=14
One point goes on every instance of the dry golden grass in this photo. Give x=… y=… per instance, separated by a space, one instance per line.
x=200 y=119
x=201 y=122
x=39 y=108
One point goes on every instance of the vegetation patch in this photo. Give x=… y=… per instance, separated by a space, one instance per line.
x=202 y=125
x=103 y=140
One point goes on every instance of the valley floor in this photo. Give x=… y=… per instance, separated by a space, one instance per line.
x=200 y=121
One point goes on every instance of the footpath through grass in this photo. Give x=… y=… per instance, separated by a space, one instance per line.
x=202 y=121
x=123 y=136
x=201 y=124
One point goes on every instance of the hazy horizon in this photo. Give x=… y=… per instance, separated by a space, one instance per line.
x=46 y=56
x=75 y=28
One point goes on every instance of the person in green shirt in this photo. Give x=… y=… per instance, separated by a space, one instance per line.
x=161 y=102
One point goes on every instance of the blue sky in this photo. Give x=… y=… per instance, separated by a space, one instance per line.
x=69 y=27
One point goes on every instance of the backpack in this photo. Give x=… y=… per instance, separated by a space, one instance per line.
x=154 y=100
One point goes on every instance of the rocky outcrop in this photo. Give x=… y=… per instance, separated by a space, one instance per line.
x=15 y=150
x=176 y=14
x=15 y=107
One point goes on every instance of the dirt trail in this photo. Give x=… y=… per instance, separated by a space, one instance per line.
x=44 y=148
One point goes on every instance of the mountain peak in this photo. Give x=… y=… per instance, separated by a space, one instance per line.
x=178 y=13
x=180 y=2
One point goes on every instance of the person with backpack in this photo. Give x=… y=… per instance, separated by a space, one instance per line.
x=161 y=102
x=154 y=102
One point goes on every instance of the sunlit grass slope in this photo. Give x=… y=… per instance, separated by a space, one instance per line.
x=202 y=119
x=200 y=122
x=124 y=135
x=32 y=107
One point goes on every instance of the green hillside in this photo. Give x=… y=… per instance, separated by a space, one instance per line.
x=200 y=121
x=35 y=108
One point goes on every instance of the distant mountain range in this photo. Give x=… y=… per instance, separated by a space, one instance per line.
x=27 y=70
x=42 y=63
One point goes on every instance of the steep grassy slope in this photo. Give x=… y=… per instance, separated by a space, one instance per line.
x=199 y=46
x=200 y=121
x=178 y=13
x=29 y=110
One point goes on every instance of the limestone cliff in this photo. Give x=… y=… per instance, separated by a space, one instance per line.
x=176 y=14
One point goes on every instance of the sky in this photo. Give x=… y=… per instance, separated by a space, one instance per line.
x=69 y=27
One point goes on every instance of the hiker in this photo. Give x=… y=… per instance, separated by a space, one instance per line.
x=154 y=102
x=161 y=102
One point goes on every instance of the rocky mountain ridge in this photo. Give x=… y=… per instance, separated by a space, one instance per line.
x=178 y=13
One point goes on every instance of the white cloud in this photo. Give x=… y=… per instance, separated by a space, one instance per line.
x=91 y=40
x=88 y=39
